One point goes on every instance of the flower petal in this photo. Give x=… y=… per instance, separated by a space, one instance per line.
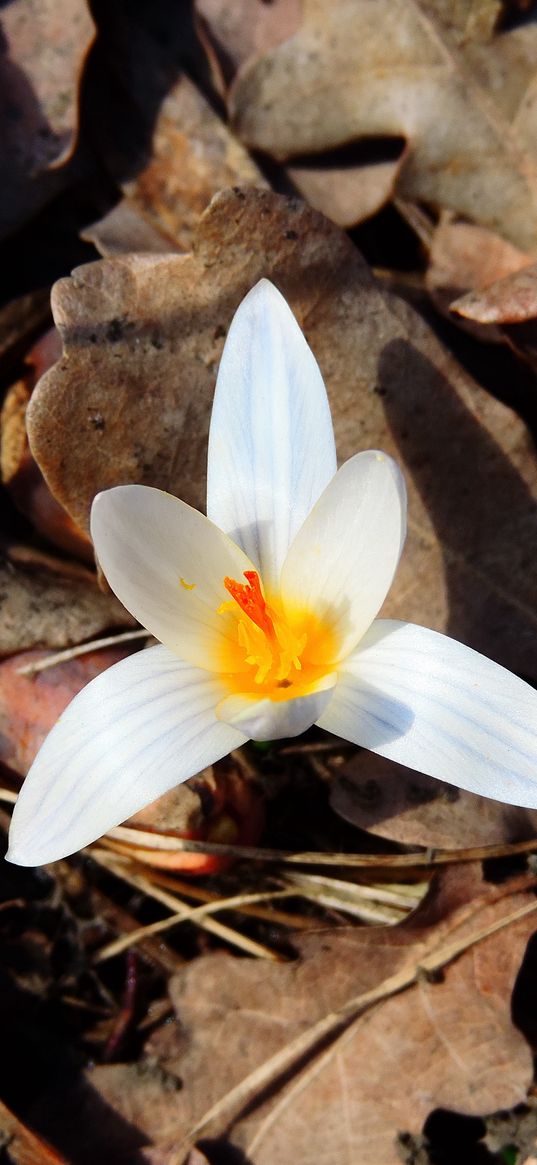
x=271 y=443
x=167 y=564
x=435 y=705
x=134 y=732
x=344 y=557
x=265 y=719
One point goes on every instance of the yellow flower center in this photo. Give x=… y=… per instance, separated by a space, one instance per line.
x=272 y=652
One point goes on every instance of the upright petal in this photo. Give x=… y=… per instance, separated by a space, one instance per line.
x=135 y=731
x=167 y=564
x=435 y=705
x=271 y=444
x=266 y=719
x=344 y=557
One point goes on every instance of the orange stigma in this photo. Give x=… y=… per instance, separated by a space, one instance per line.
x=268 y=650
x=249 y=597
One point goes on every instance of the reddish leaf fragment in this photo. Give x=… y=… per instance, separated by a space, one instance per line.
x=217 y=805
x=31 y=704
x=464 y=256
x=511 y=300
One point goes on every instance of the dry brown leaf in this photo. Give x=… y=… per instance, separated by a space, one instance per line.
x=510 y=306
x=394 y=802
x=347 y=189
x=467 y=21
x=124 y=230
x=464 y=256
x=161 y=1156
x=245 y=28
x=510 y=300
x=46 y=602
x=43 y=47
x=347 y=192
x=449 y=1043
x=131 y=399
x=193 y=155
x=389 y=67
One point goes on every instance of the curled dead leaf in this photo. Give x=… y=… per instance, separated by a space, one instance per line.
x=394 y=802
x=193 y=155
x=464 y=256
x=512 y=299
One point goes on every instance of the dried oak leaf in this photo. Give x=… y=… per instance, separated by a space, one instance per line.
x=394 y=802
x=130 y=401
x=47 y=602
x=348 y=186
x=367 y=68
x=43 y=47
x=447 y=1043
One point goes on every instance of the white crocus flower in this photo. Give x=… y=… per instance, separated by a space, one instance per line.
x=266 y=615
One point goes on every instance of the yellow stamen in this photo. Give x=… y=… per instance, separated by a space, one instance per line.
x=273 y=655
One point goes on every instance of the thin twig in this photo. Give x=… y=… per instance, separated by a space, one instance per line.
x=387 y=895
x=201 y=894
x=120 y=921
x=430 y=857
x=193 y=914
x=351 y=898
x=31 y=669
x=175 y=905
x=335 y=744
x=124 y=841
